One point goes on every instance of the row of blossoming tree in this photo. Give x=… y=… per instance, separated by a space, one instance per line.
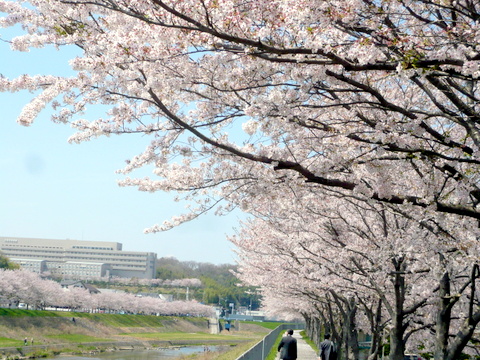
x=368 y=268
x=349 y=129
x=25 y=286
x=187 y=282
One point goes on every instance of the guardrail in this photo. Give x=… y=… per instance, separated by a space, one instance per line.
x=260 y=350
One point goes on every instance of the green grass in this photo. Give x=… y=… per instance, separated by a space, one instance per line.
x=309 y=341
x=22 y=313
x=7 y=342
x=119 y=320
x=115 y=320
x=239 y=341
x=236 y=352
x=128 y=320
x=76 y=338
x=266 y=324
x=273 y=351
x=175 y=336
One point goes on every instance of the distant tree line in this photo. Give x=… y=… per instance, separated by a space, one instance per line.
x=23 y=286
x=219 y=284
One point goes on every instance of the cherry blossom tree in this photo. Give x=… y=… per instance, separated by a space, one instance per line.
x=7 y=287
x=343 y=254
x=28 y=287
x=245 y=102
x=74 y=298
x=192 y=282
x=374 y=99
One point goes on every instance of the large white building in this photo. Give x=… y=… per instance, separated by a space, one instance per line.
x=78 y=258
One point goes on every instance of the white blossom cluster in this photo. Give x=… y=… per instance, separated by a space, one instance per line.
x=28 y=287
x=348 y=129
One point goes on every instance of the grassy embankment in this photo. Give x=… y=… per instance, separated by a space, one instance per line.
x=55 y=332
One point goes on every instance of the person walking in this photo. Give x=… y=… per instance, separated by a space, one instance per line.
x=288 y=346
x=328 y=350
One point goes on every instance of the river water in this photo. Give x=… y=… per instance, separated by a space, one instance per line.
x=153 y=354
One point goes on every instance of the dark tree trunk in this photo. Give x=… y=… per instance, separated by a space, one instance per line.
x=443 y=318
x=397 y=344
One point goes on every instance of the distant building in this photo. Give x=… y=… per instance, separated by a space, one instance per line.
x=78 y=258
x=69 y=284
x=166 y=297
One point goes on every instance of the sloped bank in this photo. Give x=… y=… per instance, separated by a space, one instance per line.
x=57 y=332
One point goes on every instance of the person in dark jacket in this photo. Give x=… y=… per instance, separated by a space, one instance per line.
x=288 y=346
x=328 y=350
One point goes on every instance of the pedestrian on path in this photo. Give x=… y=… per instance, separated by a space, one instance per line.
x=288 y=347
x=328 y=350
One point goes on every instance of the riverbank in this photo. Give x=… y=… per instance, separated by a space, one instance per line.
x=55 y=333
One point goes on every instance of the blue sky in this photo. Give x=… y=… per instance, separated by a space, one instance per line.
x=52 y=189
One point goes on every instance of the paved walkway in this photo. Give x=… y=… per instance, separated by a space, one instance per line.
x=304 y=351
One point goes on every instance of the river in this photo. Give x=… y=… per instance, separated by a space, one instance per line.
x=153 y=354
